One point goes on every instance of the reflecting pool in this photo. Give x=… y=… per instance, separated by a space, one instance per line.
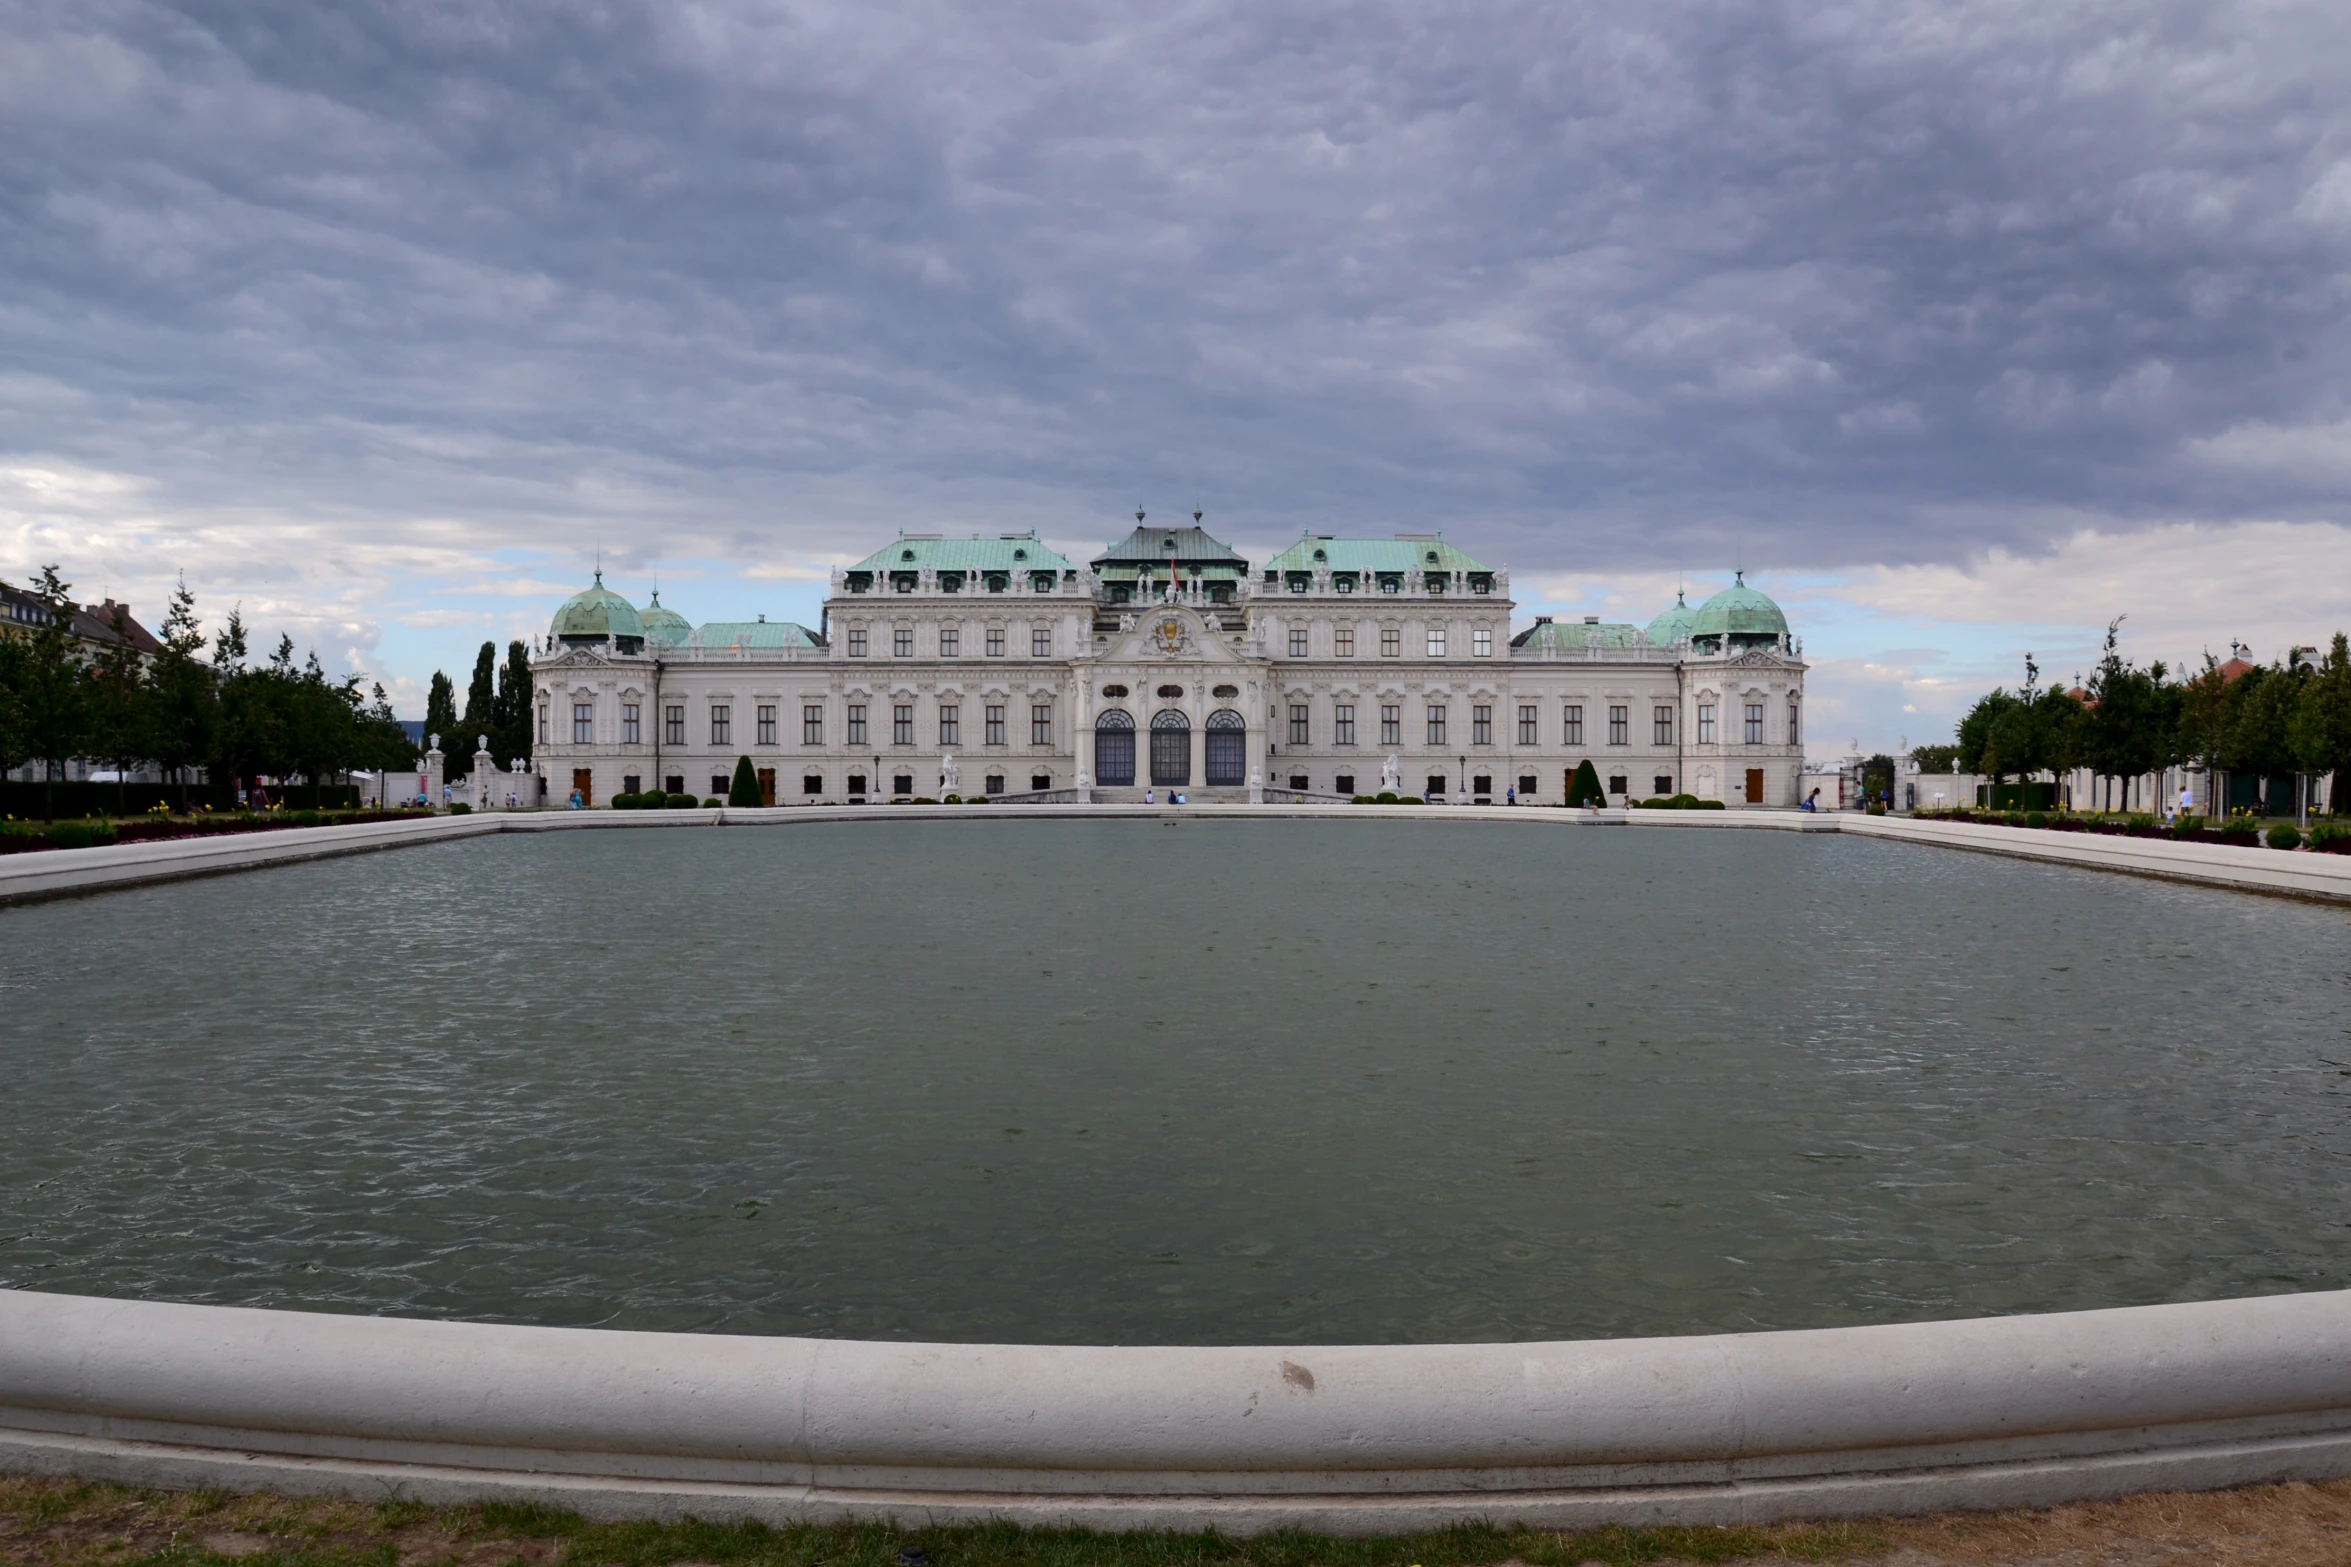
x=1191 y=1082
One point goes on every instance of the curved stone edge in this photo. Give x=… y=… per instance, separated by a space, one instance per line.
x=1991 y=1412
x=72 y=872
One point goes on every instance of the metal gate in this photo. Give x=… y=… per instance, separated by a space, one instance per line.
x=1228 y=749
x=1171 y=749
x=1114 y=749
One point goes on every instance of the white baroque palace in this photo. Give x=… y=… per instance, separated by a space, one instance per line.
x=996 y=666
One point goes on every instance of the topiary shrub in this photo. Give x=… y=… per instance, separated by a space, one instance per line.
x=1365 y=799
x=711 y=804
x=922 y=799
x=1388 y=797
x=1411 y=799
x=1586 y=785
x=2035 y=820
x=951 y=799
x=2285 y=836
x=743 y=788
x=1709 y=805
x=623 y=801
x=461 y=809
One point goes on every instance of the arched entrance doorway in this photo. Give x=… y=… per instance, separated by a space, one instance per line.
x=1171 y=749
x=1114 y=749
x=1228 y=749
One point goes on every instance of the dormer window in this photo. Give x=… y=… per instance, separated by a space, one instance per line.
x=1319 y=555
x=909 y=555
x=1020 y=554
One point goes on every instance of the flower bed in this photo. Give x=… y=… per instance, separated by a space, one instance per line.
x=2327 y=838
x=31 y=837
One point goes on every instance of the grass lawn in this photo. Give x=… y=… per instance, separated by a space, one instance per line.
x=54 y=1523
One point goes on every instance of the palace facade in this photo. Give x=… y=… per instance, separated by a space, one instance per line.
x=1342 y=666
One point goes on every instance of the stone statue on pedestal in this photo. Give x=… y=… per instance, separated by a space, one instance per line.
x=1391 y=775
x=950 y=776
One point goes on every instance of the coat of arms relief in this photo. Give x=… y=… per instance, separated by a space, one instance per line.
x=1168 y=637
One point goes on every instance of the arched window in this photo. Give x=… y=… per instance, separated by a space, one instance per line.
x=1228 y=749
x=1114 y=749
x=1171 y=749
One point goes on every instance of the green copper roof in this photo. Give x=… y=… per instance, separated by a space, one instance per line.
x=747 y=635
x=1322 y=551
x=931 y=552
x=1147 y=546
x=1674 y=624
x=1739 y=611
x=664 y=627
x=1577 y=634
x=598 y=612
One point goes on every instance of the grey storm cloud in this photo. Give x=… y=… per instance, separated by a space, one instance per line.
x=1610 y=284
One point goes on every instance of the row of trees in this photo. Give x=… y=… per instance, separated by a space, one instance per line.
x=185 y=708
x=2289 y=717
x=497 y=704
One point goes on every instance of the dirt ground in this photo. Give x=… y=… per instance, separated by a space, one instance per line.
x=49 y=1523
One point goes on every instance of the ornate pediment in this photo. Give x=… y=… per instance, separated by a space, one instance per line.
x=1170 y=633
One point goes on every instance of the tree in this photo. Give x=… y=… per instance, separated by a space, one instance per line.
x=440 y=710
x=744 y=790
x=117 y=692
x=1586 y=786
x=1935 y=758
x=52 y=692
x=182 y=695
x=15 y=744
x=2321 y=726
x=481 y=700
x=512 y=735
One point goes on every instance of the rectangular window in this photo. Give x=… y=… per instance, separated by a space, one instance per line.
x=1571 y=724
x=1526 y=725
x=631 y=731
x=857 y=724
x=767 y=724
x=583 y=723
x=673 y=729
x=950 y=724
x=1391 y=724
x=1041 y=723
x=1343 y=642
x=1040 y=642
x=1661 y=726
x=1297 y=723
x=902 y=642
x=1755 y=723
x=1436 y=724
x=1795 y=732
x=719 y=784
x=1620 y=723
x=902 y=725
x=995 y=718
x=950 y=642
x=1706 y=723
x=813 y=783
x=1391 y=642
x=1297 y=642
x=812 y=724
x=995 y=641
x=722 y=724
x=543 y=726
x=1436 y=642
x=1481 y=725
x=857 y=644
x=1343 y=728
x=1481 y=644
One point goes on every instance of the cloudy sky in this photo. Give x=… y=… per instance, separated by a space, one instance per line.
x=1963 y=327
